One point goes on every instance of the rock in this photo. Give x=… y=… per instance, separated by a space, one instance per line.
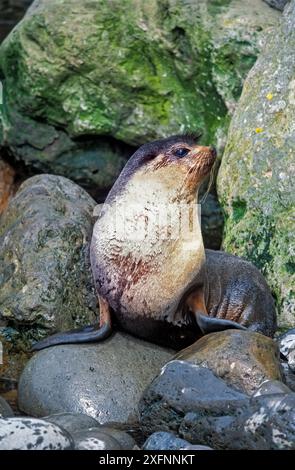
x=125 y=440
x=256 y=177
x=79 y=424
x=6 y=184
x=182 y=387
x=244 y=359
x=278 y=4
x=288 y=375
x=32 y=434
x=103 y=380
x=168 y=69
x=45 y=276
x=287 y=347
x=94 y=439
x=272 y=387
x=5 y=409
x=72 y=422
x=267 y=423
x=168 y=441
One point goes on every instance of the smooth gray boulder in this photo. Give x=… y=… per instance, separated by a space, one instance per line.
x=72 y=422
x=103 y=380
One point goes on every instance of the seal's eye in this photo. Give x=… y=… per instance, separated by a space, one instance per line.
x=181 y=152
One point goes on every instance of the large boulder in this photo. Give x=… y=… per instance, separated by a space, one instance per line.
x=243 y=359
x=103 y=380
x=82 y=79
x=256 y=178
x=45 y=276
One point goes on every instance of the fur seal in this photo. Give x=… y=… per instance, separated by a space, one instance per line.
x=153 y=279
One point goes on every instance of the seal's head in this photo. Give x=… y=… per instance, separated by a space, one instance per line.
x=179 y=163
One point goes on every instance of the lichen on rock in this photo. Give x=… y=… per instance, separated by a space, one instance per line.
x=256 y=178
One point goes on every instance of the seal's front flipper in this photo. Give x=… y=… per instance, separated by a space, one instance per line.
x=211 y=325
x=88 y=334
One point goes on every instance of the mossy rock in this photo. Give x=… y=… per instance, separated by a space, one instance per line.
x=256 y=178
x=84 y=79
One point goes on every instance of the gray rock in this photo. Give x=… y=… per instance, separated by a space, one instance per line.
x=289 y=376
x=271 y=387
x=45 y=275
x=287 y=347
x=168 y=441
x=182 y=387
x=103 y=380
x=267 y=423
x=256 y=179
x=278 y=4
x=5 y=409
x=32 y=434
x=244 y=359
x=125 y=440
x=72 y=422
x=94 y=439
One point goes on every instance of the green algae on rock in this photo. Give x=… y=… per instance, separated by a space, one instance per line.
x=132 y=70
x=256 y=178
x=45 y=276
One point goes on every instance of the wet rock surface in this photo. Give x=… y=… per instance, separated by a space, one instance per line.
x=243 y=359
x=267 y=423
x=287 y=347
x=94 y=439
x=45 y=276
x=168 y=441
x=125 y=440
x=72 y=422
x=180 y=388
x=32 y=434
x=104 y=380
x=5 y=409
x=272 y=387
x=289 y=376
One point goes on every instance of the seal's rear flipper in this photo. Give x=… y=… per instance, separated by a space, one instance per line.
x=89 y=334
x=211 y=325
